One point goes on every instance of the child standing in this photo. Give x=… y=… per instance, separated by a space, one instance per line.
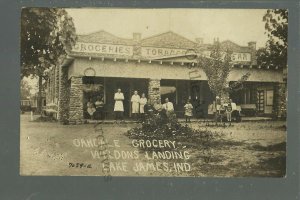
x=229 y=110
x=188 y=111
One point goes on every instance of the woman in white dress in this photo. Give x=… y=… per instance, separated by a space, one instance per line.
x=119 y=108
x=143 y=102
x=135 y=99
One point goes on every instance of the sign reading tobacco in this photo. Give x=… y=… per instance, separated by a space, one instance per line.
x=152 y=52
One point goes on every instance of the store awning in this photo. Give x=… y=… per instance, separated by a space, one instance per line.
x=163 y=71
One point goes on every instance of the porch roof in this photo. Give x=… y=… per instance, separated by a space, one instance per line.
x=157 y=70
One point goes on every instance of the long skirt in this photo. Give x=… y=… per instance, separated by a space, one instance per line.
x=142 y=108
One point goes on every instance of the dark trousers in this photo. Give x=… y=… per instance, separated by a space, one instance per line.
x=135 y=116
x=118 y=115
x=99 y=113
x=187 y=118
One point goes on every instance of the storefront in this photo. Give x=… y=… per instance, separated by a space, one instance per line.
x=160 y=66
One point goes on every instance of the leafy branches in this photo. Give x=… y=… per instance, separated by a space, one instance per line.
x=216 y=68
x=275 y=52
x=46 y=35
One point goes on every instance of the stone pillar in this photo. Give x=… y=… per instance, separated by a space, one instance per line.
x=76 y=97
x=63 y=95
x=154 y=91
x=279 y=100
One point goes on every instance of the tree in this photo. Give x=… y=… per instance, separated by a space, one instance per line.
x=217 y=68
x=25 y=89
x=47 y=34
x=274 y=54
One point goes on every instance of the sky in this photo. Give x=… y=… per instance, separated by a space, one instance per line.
x=237 y=25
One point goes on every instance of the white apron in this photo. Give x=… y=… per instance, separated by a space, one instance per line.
x=135 y=99
x=119 y=97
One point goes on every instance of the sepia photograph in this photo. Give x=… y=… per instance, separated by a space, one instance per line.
x=172 y=92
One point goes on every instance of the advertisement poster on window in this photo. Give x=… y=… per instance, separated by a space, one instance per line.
x=269 y=97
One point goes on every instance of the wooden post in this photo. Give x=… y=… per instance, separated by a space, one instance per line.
x=31 y=116
x=130 y=94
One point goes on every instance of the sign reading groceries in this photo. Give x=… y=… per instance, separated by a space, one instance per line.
x=103 y=48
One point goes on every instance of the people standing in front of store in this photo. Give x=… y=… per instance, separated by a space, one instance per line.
x=135 y=101
x=188 y=108
x=168 y=107
x=119 y=108
x=158 y=108
x=143 y=102
x=229 y=111
x=149 y=109
x=99 y=104
x=91 y=108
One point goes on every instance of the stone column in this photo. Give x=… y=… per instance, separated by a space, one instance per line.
x=76 y=99
x=279 y=100
x=63 y=95
x=154 y=91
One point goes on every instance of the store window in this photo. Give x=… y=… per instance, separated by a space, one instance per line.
x=93 y=88
x=168 y=90
x=249 y=96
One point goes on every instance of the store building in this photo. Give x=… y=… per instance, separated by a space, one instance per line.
x=160 y=66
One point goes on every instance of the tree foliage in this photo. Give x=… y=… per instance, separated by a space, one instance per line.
x=25 y=89
x=46 y=35
x=217 y=68
x=274 y=54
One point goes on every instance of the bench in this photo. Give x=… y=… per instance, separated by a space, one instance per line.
x=49 y=112
x=248 y=109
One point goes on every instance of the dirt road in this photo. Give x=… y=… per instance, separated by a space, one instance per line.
x=52 y=149
x=245 y=149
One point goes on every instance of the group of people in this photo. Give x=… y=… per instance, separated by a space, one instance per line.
x=223 y=106
x=95 y=110
x=137 y=104
x=140 y=105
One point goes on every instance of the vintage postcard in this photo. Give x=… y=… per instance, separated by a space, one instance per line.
x=153 y=92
